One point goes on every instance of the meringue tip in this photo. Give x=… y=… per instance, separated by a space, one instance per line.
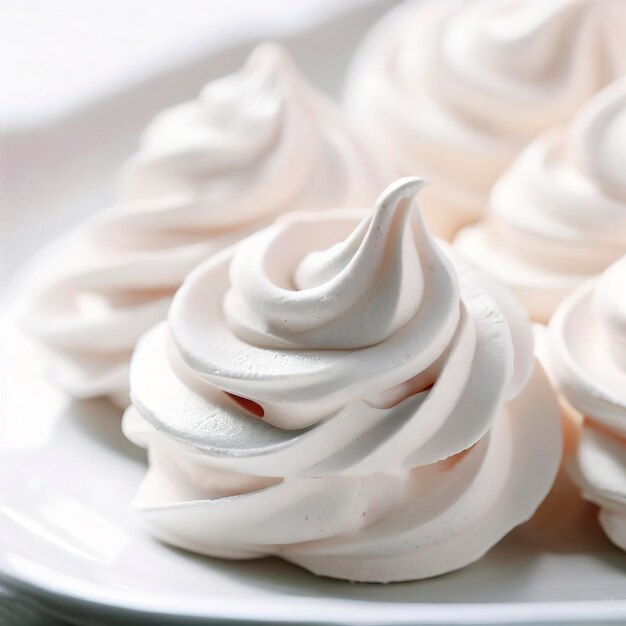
x=270 y=55
x=407 y=187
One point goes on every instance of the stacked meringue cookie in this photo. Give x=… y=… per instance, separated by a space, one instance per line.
x=340 y=391
x=558 y=215
x=453 y=90
x=586 y=353
x=255 y=144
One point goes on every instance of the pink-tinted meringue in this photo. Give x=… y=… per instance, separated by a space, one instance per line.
x=340 y=391
x=558 y=215
x=452 y=90
x=253 y=145
x=586 y=354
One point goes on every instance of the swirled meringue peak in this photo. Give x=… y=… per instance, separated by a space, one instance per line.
x=453 y=90
x=587 y=357
x=340 y=391
x=558 y=215
x=253 y=145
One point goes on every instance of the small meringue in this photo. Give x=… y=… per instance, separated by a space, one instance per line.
x=343 y=392
x=253 y=145
x=586 y=354
x=452 y=90
x=558 y=215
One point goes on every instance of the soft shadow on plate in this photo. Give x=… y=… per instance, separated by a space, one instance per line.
x=508 y=573
x=100 y=420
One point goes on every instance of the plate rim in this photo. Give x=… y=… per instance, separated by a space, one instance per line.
x=335 y=611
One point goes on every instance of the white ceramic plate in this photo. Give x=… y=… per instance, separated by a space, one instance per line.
x=69 y=539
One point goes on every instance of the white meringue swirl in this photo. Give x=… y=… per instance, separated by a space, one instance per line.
x=453 y=90
x=587 y=357
x=327 y=392
x=558 y=215
x=254 y=145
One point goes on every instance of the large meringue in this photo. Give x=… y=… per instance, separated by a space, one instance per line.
x=558 y=215
x=334 y=391
x=587 y=358
x=254 y=144
x=452 y=90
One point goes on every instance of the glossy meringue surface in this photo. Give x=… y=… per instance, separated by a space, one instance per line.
x=587 y=357
x=557 y=217
x=453 y=90
x=253 y=145
x=341 y=391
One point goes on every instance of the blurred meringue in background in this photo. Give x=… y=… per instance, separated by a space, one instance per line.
x=557 y=217
x=452 y=90
x=586 y=354
x=253 y=145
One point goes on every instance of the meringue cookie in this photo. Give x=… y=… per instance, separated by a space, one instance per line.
x=558 y=215
x=254 y=144
x=453 y=90
x=587 y=358
x=340 y=391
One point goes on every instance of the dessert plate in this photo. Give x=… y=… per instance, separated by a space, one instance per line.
x=70 y=541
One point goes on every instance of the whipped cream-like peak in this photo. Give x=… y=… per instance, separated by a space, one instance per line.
x=522 y=66
x=558 y=215
x=341 y=391
x=237 y=117
x=587 y=357
x=598 y=140
x=453 y=90
x=355 y=294
x=240 y=127
x=254 y=145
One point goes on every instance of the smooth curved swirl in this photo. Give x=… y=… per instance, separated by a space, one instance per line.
x=587 y=356
x=366 y=447
x=453 y=90
x=558 y=215
x=353 y=295
x=254 y=145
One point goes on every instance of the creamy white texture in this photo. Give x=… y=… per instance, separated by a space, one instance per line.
x=558 y=215
x=353 y=295
x=253 y=145
x=587 y=357
x=453 y=90
x=337 y=391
